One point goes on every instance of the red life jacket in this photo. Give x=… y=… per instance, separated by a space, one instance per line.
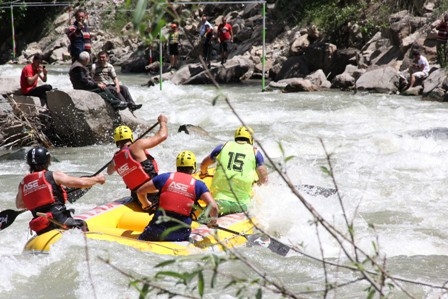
x=36 y=190
x=132 y=172
x=178 y=194
x=40 y=223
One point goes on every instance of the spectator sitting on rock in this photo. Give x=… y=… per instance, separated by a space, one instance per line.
x=30 y=77
x=81 y=79
x=419 y=69
x=104 y=72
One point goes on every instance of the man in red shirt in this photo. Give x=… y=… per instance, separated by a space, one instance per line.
x=30 y=77
x=225 y=35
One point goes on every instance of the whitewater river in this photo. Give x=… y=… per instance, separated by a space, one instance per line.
x=390 y=162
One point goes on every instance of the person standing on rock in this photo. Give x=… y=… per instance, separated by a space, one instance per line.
x=79 y=35
x=225 y=36
x=207 y=44
x=104 y=72
x=202 y=26
x=442 y=38
x=81 y=79
x=29 y=78
x=173 y=46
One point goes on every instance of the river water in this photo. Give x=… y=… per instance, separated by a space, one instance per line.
x=389 y=157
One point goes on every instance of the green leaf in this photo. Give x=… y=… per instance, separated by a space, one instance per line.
x=165 y=263
x=144 y=291
x=371 y=294
x=201 y=284
x=214 y=278
x=139 y=12
x=288 y=158
x=325 y=170
x=170 y=274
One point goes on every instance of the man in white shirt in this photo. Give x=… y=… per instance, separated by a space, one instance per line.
x=419 y=69
x=202 y=29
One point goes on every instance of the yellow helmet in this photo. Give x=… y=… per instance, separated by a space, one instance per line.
x=186 y=159
x=123 y=133
x=245 y=133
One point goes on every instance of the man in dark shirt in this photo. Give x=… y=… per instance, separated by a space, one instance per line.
x=81 y=79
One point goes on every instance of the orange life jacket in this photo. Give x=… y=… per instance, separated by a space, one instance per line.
x=178 y=194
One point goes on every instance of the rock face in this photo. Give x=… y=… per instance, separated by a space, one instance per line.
x=73 y=118
x=381 y=80
x=234 y=70
x=295 y=59
x=289 y=52
x=82 y=117
x=80 y=122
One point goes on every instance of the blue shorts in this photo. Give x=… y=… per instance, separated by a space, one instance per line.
x=159 y=231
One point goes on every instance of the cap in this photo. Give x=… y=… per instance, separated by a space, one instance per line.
x=173 y=25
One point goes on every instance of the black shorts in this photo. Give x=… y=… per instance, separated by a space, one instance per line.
x=174 y=49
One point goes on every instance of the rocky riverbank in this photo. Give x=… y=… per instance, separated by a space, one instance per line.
x=295 y=58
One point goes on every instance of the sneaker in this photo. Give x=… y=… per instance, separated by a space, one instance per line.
x=134 y=107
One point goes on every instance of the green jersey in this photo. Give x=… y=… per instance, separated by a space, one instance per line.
x=235 y=173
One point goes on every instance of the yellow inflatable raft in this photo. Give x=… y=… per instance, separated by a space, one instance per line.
x=122 y=221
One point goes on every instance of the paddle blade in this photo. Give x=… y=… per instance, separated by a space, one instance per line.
x=7 y=217
x=316 y=190
x=73 y=194
x=269 y=243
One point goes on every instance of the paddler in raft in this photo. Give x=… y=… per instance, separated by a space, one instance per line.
x=238 y=165
x=42 y=191
x=179 y=191
x=135 y=164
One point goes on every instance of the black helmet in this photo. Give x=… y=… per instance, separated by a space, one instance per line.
x=38 y=156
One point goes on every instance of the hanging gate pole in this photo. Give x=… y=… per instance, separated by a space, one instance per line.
x=13 y=35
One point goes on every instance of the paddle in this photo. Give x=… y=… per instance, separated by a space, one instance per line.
x=7 y=217
x=309 y=189
x=316 y=190
x=261 y=240
x=74 y=194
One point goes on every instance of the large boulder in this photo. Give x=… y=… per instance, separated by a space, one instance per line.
x=380 y=80
x=81 y=118
x=237 y=69
x=9 y=85
x=435 y=86
x=299 y=84
x=293 y=67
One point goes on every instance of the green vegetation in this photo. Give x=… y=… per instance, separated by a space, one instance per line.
x=32 y=20
x=114 y=19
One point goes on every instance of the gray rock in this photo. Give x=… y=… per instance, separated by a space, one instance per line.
x=83 y=118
